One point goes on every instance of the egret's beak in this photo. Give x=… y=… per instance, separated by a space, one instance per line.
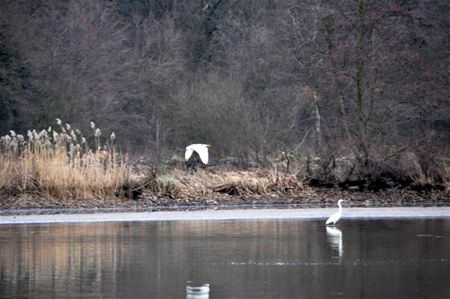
x=208 y=145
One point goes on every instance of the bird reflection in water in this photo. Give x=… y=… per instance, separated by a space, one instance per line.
x=334 y=236
x=197 y=292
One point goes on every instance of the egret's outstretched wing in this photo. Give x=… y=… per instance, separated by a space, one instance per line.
x=202 y=151
x=188 y=153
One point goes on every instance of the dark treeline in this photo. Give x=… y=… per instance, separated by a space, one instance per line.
x=364 y=79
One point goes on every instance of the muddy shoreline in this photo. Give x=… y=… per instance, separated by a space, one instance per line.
x=307 y=198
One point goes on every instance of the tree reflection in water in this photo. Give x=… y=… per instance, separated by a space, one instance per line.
x=241 y=259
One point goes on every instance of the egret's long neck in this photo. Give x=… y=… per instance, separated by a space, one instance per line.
x=340 y=207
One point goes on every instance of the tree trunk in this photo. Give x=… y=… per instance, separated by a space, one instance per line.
x=318 y=121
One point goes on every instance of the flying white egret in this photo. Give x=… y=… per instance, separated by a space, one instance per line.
x=200 y=149
x=194 y=159
x=336 y=216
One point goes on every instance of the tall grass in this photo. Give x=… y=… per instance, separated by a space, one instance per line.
x=61 y=163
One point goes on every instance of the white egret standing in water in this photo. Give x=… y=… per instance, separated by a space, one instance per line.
x=336 y=216
x=201 y=150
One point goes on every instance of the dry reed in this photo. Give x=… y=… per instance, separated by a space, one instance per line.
x=60 y=163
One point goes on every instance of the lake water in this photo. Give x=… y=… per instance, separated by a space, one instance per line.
x=238 y=259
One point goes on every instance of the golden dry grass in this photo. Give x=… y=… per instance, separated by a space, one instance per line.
x=61 y=164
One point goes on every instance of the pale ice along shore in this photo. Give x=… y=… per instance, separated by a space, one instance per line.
x=238 y=214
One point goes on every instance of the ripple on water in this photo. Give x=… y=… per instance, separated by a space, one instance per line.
x=336 y=263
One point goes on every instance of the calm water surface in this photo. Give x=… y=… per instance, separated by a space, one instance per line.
x=239 y=259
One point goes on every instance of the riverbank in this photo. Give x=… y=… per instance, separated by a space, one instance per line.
x=50 y=170
x=149 y=201
x=235 y=214
x=217 y=187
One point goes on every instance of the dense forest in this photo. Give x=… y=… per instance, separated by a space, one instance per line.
x=364 y=79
